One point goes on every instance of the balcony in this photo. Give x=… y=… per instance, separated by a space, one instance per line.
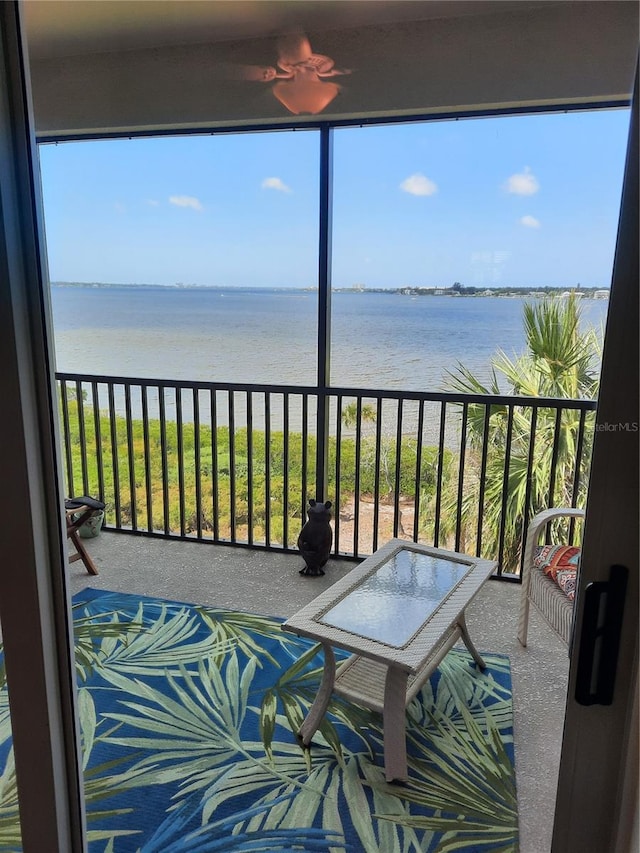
x=268 y=582
x=209 y=516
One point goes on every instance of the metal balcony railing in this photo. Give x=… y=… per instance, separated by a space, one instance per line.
x=236 y=464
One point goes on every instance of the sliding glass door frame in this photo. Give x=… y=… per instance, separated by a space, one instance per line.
x=35 y=612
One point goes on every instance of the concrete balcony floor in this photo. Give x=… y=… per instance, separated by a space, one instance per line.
x=269 y=583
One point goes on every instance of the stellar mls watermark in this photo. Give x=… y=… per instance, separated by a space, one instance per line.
x=629 y=426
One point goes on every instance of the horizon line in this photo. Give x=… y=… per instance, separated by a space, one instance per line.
x=357 y=288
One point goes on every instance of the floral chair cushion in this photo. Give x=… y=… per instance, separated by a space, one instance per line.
x=560 y=563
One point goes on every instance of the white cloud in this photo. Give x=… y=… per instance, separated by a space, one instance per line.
x=153 y=202
x=275 y=184
x=419 y=184
x=186 y=201
x=530 y=222
x=523 y=183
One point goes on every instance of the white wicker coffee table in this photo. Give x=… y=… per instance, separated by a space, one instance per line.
x=399 y=613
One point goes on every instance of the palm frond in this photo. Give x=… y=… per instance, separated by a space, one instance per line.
x=154 y=644
x=173 y=835
x=231 y=627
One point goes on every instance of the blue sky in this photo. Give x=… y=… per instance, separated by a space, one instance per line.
x=523 y=201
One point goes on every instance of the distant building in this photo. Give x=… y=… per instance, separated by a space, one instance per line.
x=601 y=294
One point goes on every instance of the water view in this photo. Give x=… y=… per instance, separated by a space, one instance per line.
x=379 y=340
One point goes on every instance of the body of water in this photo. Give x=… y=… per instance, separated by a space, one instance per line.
x=380 y=340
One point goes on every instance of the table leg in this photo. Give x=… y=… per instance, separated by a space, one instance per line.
x=321 y=702
x=466 y=639
x=395 y=736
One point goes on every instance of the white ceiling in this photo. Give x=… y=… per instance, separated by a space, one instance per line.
x=58 y=28
x=120 y=66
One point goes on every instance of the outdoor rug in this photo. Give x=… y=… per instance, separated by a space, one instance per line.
x=188 y=716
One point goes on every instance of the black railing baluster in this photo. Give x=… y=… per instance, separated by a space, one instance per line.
x=285 y=470
x=529 y=487
x=146 y=440
x=130 y=458
x=505 y=489
x=338 y=497
x=180 y=462
x=115 y=465
x=416 y=496
x=83 y=437
x=443 y=421
x=463 y=453
x=554 y=456
x=305 y=459
x=396 y=495
x=67 y=438
x=267 y=468
x=97 y=431
x=164 y=462
x=577 y=472
x=376 y=482
x=483 y=472
x=356 y=485
x=197 y=452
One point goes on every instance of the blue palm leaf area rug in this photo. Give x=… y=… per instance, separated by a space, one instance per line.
x=188 y=717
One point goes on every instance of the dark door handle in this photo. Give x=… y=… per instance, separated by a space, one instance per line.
x=600 y=638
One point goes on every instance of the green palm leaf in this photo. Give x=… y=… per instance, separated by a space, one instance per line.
x=561 y=361
x=193 y=735
x=296 y=690
x=90 y=630
x=463 y=686
x=202 y=711
x=235 y=627
x=396 y=835
x=166 y=644
x=466 y=778
x=329 y=787
x=250 y=776
x=222 y=835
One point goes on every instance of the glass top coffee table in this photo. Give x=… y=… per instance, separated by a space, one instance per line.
x=399 y=613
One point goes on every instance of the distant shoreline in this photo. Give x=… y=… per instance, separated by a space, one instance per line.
x=455 y=291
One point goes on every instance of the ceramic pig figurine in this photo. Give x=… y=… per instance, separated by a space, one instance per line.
x=316 y=538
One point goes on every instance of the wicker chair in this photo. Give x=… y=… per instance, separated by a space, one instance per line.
x=538 y=587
